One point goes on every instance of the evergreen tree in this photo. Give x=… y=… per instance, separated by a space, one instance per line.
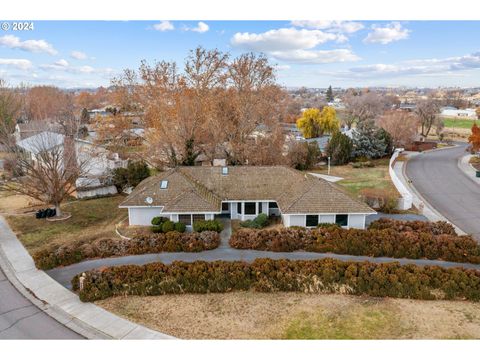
x=366 y=141
x=339 y=148
x=329 y=94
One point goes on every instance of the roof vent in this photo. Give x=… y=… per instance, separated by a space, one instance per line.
x=149 y=200
x=224 y=170
x=164 y=184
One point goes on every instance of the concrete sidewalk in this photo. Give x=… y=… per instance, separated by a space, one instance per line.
x=467 y=168
x=86 y=319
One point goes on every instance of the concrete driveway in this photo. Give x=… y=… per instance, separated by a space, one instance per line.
x=437 y=177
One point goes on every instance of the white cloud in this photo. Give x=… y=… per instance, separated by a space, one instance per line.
x=164 y=26
x=329 y=25
x=200 y=28
x=282 y=67
x=295 y=45
x=389 y=33
x=282 y=39
x=22 y=64
x=36 y=46
x=63 y=66
x=415 y=67
x=316 y=56
x=79 y=55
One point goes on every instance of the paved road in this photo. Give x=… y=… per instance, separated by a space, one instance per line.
x=20 y=319
x=436 y=176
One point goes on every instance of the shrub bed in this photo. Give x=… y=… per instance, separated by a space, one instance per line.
x=268 y=275
x=436 y=228
x=371 y=242
x=173 y=241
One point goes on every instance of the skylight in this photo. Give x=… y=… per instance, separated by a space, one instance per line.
x=164 y=184
x=224 y=170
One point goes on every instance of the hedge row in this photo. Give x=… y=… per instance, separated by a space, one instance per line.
x=436 y=228
x=268 y=275
x=173 y=241
x=370 y=242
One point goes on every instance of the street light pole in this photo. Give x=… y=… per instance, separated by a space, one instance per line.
x=329 y=165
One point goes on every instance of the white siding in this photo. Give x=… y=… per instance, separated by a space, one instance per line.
x=356 y=221
x=264 y=207
x=327 y=219
x=143 y=216
x=209 y=216
x=296 y=220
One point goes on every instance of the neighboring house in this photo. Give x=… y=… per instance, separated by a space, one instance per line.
x=189 y=194
x=31 y=128
x=460 y=113
x=99 y=161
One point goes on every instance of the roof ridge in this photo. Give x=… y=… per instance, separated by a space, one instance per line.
x=203 y=191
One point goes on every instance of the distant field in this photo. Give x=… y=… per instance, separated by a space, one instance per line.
x=458 y=123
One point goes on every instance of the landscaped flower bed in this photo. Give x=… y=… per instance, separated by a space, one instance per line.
x=173 y=241
x=267 y=275
x=413 y=240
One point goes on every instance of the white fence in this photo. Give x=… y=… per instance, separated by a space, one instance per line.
x=406 y=200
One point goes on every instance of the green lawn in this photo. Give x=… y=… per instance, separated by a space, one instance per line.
x=354 y=180
x=91 y=219
x=458 y=123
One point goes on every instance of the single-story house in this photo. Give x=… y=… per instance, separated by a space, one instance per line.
x=189 y=194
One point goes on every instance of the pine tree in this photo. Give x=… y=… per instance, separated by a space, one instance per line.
x=329 y=94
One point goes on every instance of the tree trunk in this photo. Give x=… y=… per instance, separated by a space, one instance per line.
x=58 y=210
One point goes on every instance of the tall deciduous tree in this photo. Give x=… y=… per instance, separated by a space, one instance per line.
x=401 y=125
x=363 y=107
x=314 y=122
x=427 y=111
x=10 y=107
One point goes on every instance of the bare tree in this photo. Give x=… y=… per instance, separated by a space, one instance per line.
x=10 y=107
x=365 y=106
x=428 y=111
x=401 y=125
x=46 y=166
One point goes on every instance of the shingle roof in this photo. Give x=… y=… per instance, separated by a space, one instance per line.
x=203 y=188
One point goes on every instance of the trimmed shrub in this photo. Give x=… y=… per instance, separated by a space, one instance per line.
x=173 y=241
x=159 y=220
x=436 y=228
x=384 y=242
x=180 y=227
x=258 y=223
x=168 y=226
x=207 y=225
x=268 y=275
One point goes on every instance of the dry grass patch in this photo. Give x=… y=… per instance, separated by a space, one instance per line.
x=91 y=219
x=250 y=315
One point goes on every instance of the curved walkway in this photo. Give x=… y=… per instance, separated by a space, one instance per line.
x=437 y=177
x=224 y=252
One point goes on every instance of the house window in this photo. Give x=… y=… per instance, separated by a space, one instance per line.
x=341 y=219
x=224 y=206
x=185 y=219
x=260 y=208
x=312 y=220
x=198 y=217
x=273 y=205
x=239 y=208
x=250 y=208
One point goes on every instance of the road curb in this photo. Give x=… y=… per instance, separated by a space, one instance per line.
x=86 y=319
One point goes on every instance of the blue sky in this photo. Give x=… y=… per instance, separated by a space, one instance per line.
x=306 y=53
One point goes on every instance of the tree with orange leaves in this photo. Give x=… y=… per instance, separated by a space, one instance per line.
x=474 y=138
